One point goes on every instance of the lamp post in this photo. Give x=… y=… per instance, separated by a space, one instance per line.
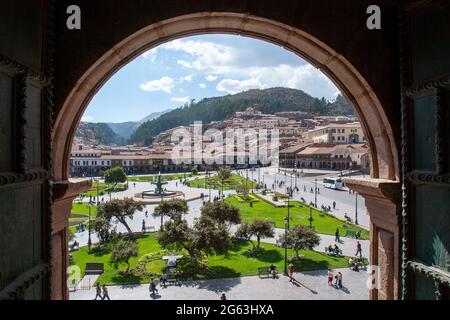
x=286 y=222
x=89 y=230
x=252 y=179
x=356 y=208
x=315 y=193
x=310 y=217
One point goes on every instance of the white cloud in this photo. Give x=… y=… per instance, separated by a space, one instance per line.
x=211 y=78
x=165 y=84
x=304 y=77
x=187 y=78
x=150 y=54
x=180 y=99
x=209 y=56
x=233 y=86
x=202 y=85
x=242 y=69
x=181 y=90
x=87 y=119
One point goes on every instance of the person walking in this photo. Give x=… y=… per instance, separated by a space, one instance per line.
x=291 y=271
x=98 y=291
x=152 y=288
x=337 y=237
x=339 y=278
x=334 y=205
x=105 y=293
x=330 y=277
x=358 y=249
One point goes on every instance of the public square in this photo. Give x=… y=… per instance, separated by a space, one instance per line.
x=308 y=284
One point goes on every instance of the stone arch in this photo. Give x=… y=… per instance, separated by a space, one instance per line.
x=376 y=127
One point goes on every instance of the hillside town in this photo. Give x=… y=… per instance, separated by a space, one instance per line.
x=304 y=141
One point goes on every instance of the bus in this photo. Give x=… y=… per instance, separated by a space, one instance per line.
x=333 y=183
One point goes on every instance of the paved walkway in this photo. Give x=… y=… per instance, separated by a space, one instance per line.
x=308 y=286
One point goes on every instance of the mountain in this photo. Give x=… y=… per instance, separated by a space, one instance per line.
x=126 y=129
x=98 y=133
x=111 y=133
x=220 y=108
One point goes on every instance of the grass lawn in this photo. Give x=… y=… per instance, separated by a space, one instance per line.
x=299 y=213
x=215 y=183
x=238 y=262
x=79 y=209
x=103 y=189
x=164 y=177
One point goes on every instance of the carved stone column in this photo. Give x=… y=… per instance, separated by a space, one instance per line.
x=383 y=204
x=64 y=192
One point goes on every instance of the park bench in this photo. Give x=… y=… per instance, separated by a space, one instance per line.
x=264 y=271
x=333 y=252
x=149 y=229
x=94 y=268
x=352 y=234
x=172 y=278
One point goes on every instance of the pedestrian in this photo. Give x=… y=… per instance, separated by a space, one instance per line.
x=223 y=297
x=98 y=291
x=105 y=293
x=163 y=279
x=143 y=226
x=339 y=275
x=358 y=249
x=146 y=213
x=330 y=277
x=291 y=271
x=152 y=287
x=334 y=205
x=337 y=238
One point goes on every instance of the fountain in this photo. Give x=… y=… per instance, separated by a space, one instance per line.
x=159 y=193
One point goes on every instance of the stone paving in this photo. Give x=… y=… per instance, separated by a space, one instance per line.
x=308 y=286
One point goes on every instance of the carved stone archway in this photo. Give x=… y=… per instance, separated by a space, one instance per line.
x=377 y=129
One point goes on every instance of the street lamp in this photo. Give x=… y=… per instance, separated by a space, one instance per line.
x=89 y=230
x=315 y=193
x=286 y=223
x=356 y=208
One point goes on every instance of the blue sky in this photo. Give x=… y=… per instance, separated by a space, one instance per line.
x=197 y=67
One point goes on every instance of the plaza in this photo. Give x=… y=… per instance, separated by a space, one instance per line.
x=310 y=285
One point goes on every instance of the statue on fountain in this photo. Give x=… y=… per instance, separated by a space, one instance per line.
x=159 y=189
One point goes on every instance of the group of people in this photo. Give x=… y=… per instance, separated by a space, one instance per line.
x=101 y=292
x=336 y=277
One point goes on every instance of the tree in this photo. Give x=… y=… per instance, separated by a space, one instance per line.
x=221 y=212
x=119 y=209
x=123 y=250
x=244 y=233
x=261 y=228
x=300 y=238
x=115 y=175
x=208 y=234
x=102 y=227
x=223 y=174
x=171 y=208
x=211 y=236
x=176 y=235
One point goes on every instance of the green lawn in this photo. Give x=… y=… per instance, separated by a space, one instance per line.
x=238 y=262
x=164 y=177
x=79 y=209
x=103 y=189
x=215 y=183
x=299 y=214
